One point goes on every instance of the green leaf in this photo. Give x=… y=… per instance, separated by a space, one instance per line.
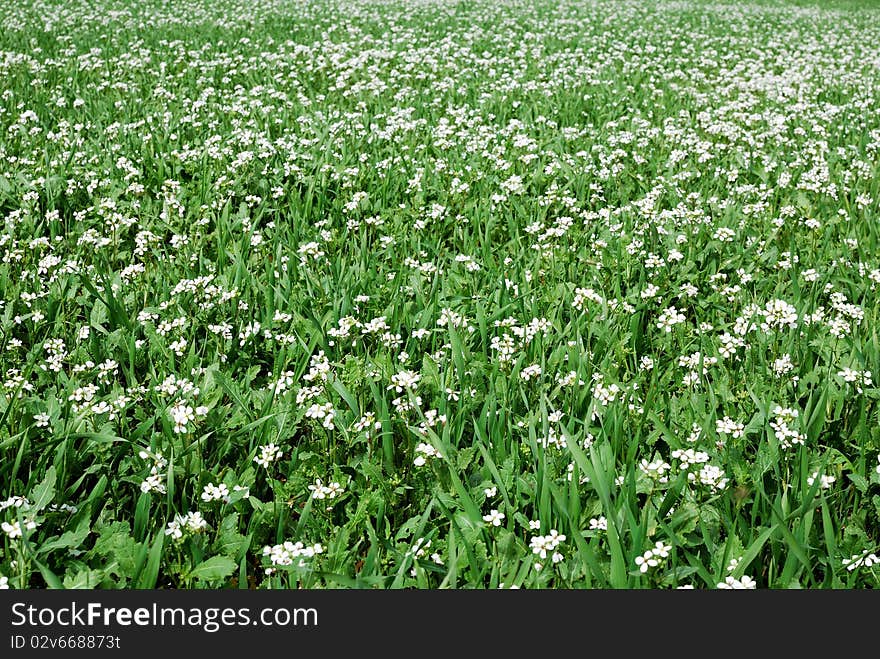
x=150 y=575
x=84 y=580
x=42 y=494
x=229 y=541
x=213 y=569
x=115 y=543
x=51 y=578
x=752 y=552
x=859 y=481
x=69 y=539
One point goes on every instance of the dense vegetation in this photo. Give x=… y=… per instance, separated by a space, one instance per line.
x=439 y=294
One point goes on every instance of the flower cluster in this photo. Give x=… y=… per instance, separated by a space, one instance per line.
x=287 y=553
x=544 y=545
x=732 y=583
x=267 y=455
x=653 y=557
x=187 y=524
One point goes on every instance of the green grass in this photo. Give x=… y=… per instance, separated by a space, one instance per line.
x=441 y=295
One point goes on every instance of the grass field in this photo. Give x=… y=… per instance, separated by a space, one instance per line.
x=324 y=293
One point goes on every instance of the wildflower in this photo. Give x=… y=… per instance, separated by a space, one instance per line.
x=711 y=476
x=778 y=314
x=419 y=548
x=12 y=530
x=191 y=522
x=669 y=318
x=825 y=481
x=541 y=545
x=605 y=394
x=153 y=483
x=181 y=414
x=213 y=492
x=267 y=455
x=426 y=451
x=783 y=365
x=653 y=557
x=321 y=491
x=494 y=517
x=646 y=561
x=731 y=583
x=286 y=553
x=174 y=529
x=728 y=426
x=404 y=380
x=782 y=425
x=865 y=559
x=323 y=413
x=655 y=469
x=530 y=372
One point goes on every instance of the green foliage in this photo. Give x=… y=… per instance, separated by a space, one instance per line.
x=359 y=294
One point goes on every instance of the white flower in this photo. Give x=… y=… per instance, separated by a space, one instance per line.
x=426 y=451
x=285 y=553
x=178 y=347
x=419 y=548
x=213 y=492
x=181 y=415
x=778 y=314
x=655 y=470
x=494 y=517
x=662 y=550
x=865 y=559
x=530 y=372
x=731 y=583
x=710 y=476
x=404 y=380
x=189 y=522
x=646 y=561
x=825 y=482
x=324 y=413
x=174 y=529
x=195 y=522
x=783 y=365
x=728 y=426
x=652 y=557
x=649 y=291
x=669 y=318
x=153 y=483
x=321 y=491
x=267 y=455
x=542 y=544
x=12 y=530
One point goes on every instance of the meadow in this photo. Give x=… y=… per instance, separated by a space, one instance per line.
x=437 y=294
